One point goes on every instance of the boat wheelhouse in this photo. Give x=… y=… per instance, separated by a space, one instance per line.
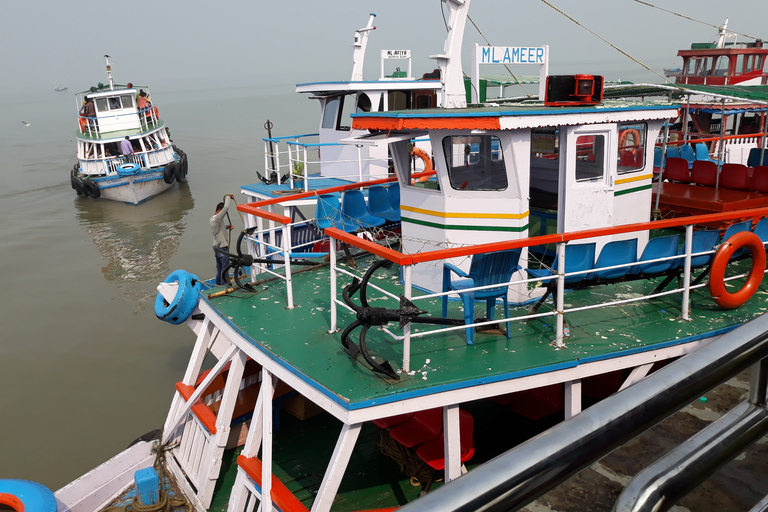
x=124 y=149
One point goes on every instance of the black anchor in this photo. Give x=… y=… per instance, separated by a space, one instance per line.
x=368 y=317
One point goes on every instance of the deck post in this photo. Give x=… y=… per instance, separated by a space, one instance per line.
x=359 y=162
x=560 y=292
x=260 y=230
x=572 y=398
x=287 y=258
x=687 y=272
x=306 y=169
x=267 y=392
x=407 y=283
x=334 y=313
x=336 y=467
x=452 y=442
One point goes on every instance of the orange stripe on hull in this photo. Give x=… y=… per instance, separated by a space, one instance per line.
x=426 y=123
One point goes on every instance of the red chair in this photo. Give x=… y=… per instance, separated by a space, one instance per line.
x=393 y=420
x=704 y=173
x=676 y=169
x=760 y=179
x=734 y=177
x=433 y=452
x=423 y=427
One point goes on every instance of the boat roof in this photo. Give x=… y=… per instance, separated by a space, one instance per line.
x=508 y=117
x=349 y=86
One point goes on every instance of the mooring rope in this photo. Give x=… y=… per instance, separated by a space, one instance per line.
x=416 y=469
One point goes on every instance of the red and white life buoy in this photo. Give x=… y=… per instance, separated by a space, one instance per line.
x=721 y=296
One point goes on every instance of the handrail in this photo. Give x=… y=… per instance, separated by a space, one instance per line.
x=520 y=475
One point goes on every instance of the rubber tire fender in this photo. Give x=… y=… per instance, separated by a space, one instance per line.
x=27 y=496
x=91 y=188
x=76 y=184
x=717 y=290
x=169 y=173
x=184 y=302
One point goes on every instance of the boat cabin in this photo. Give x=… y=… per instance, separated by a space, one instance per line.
x=517 y=171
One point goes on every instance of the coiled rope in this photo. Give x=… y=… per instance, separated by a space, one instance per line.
x=416 y=469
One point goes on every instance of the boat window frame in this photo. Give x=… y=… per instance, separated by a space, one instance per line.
x=584 y=167
x=718 y=69
x=485 y=159
x=640 y=150
x=330 y=117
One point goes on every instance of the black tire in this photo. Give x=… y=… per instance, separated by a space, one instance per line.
x=181 y=174
x=91 y=188
x=76 y=184
x=169 y=173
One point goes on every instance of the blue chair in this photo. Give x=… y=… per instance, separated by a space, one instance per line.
x=354 y=211
x=703 y=240
x=394 y=196
x=673 y=152
x=485 y=269
x=732 y=230
x=617 y=252
x=660 y=247
x=686 y=152
x=578 y=257
x=702 y=152
x=658 y=153
x=379 y=205
x=761 y=229
x=753 y=160
x=328 y=214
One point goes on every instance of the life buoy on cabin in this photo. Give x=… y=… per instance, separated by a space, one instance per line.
x=26 y=496
x=91 y=188
x=624 y=146
x=184 y=302
x=721 y=296
x=128 y=169
x=420 y=153
x=169 y=173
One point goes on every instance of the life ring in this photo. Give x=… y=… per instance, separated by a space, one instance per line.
x=185 y=301
x=76 y=184
x=91 y=188
x=128 y=169
x=721 y=296
x=26 y=496
x=157 y=116
x=418 y=152
x=623 y=146
x=83 y=124
x=169 y=173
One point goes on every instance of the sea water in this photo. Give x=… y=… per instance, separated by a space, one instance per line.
x=85 y=366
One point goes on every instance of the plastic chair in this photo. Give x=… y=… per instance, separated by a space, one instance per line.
x=328 y=214
x=660 y=247
x=761 y=229
x=703 y=240
x=734 y=177
x=673 y=152
x=578 y=257
x=704 y=173
x=754 y=160
x=394 y=196
x=732 y=230
x=355 y=211
x=701 y=151
x=760 y=179
x=627 y=159
x=687 y=154
x=485 y=269
x=379 y=205
x=391 y=421
x=658 y=153
x=422 y=427
x=613 y=253
x=676 y=169
x=433 y=452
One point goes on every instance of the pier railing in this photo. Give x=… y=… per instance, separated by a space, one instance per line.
x=521 y=475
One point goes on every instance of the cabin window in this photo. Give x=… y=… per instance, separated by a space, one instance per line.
x=590 y=157
x=690 y=67
x=363 y=103
x=127 y=100
x=331 y=112
x=705 y=66
x=102 y=105
x=631 y=147
x=347 y=107
x=475 y=162
x=721 y=66
x=759 y=62
x=398 y=100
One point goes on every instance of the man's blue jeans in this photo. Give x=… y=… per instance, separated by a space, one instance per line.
x=221 y=263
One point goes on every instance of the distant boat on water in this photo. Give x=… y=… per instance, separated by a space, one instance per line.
x=60 y=88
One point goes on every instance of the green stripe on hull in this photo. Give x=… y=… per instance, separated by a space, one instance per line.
x=631 y=190
x=514 y=229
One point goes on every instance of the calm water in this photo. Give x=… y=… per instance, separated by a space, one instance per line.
x=85 y=367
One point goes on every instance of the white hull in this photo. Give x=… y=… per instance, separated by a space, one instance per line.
x=132 y=189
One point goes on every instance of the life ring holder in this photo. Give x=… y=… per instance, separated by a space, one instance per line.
x=721 y=296
x=184 y=302
x=26 y=496
x=635 y=140
x=420 y=153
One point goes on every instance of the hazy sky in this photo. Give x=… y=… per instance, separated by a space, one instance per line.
x=45 y=42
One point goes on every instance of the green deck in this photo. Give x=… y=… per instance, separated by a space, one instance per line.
x=298 y=339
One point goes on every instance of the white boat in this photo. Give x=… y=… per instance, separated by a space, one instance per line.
x=302 y=386
x=124 y=149
x=60 y=88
